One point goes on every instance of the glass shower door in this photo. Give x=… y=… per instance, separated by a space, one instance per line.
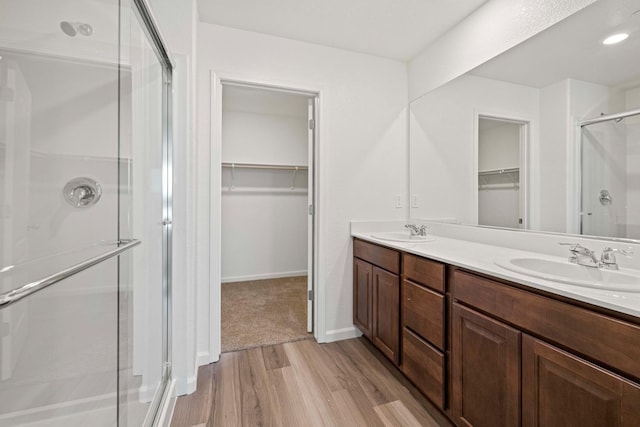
x=145 y=213
x=59 y=100
x=604 y=179
x=84 y=172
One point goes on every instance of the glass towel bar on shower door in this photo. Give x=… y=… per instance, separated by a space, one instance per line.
x=14 y=295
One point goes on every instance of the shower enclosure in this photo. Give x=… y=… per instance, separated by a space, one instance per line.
x=85 y=213
x=609 y=169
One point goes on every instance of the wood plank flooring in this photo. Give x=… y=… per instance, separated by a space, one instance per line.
x=303 y=383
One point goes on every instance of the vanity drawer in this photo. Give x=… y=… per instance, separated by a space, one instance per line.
x=424 y=366
x=426 y=272
x=377 y=255
x=610 y=341
x=423 y=312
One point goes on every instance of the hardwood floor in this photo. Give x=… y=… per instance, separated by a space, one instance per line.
x=303 y=383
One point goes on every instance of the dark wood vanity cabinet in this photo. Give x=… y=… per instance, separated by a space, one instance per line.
x=508 y=368
x=486 y=370
x=492 y=353
x=423 y=326
x=376 y=296
x=363 y=296
x=561 y=389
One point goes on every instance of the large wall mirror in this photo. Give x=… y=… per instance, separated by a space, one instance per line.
x=544 y=137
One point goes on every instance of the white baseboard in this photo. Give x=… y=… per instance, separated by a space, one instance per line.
x=189 y=384
x=231 y=279
x=202 y=358
x=342 y=334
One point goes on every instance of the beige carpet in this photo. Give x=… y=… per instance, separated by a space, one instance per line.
x=263 y=312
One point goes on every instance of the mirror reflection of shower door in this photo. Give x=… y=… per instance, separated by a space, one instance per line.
x=603 y=179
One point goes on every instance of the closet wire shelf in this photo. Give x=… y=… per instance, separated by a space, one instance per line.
x=511 y=173
x=294 y=168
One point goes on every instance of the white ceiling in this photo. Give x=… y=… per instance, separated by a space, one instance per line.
x=397 y=29
x=573 y=49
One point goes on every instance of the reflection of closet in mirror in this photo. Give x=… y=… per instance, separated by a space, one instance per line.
x=500 y=148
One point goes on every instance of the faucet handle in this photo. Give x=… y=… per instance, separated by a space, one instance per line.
x=608 y=258
x=609 y=252
x=575 y=247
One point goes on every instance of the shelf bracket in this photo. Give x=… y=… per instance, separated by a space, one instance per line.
x=293 y=178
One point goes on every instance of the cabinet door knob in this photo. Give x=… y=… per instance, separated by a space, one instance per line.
x=408 y=299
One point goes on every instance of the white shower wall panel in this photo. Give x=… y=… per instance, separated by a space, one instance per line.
x=54 y=225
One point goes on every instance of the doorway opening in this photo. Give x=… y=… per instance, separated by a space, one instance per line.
x=501 y=169
x=267 y=226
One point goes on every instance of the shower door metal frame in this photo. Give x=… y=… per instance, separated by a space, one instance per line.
x=157 y=41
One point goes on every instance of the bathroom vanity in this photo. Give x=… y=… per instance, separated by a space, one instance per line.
x=492 y=349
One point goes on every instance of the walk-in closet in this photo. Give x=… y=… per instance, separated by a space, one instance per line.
x=266 y=231
x=500 y=201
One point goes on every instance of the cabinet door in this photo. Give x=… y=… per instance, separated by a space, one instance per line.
x=485 y=370
x=386 y=313
x=363 y=296
x=560 y=389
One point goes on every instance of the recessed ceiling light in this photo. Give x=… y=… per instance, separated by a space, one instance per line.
x=616 y=38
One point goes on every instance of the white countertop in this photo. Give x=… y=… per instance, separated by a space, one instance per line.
x=480 y=257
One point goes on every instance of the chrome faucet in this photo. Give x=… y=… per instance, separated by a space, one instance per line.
x=608 y=258
x=582 y=256
x=417 y=231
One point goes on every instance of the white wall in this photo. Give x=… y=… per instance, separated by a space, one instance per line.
x=498 y=145
x=443 y=141
x=362 y=146
x=264 y=234
x=264 y=138
x=552 y=201
x=178 y=20
x=493 y=28
x=264 y=221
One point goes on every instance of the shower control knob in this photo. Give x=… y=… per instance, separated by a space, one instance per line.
x=82 y=192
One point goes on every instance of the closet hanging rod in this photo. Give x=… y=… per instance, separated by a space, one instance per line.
x=263 y=166
x=498 y=171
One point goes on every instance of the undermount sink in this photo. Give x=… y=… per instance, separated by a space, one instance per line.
x=402 y=237
x=574 y=274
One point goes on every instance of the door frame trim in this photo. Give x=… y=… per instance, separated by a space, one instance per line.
x=526 y=124
x=218 y=79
